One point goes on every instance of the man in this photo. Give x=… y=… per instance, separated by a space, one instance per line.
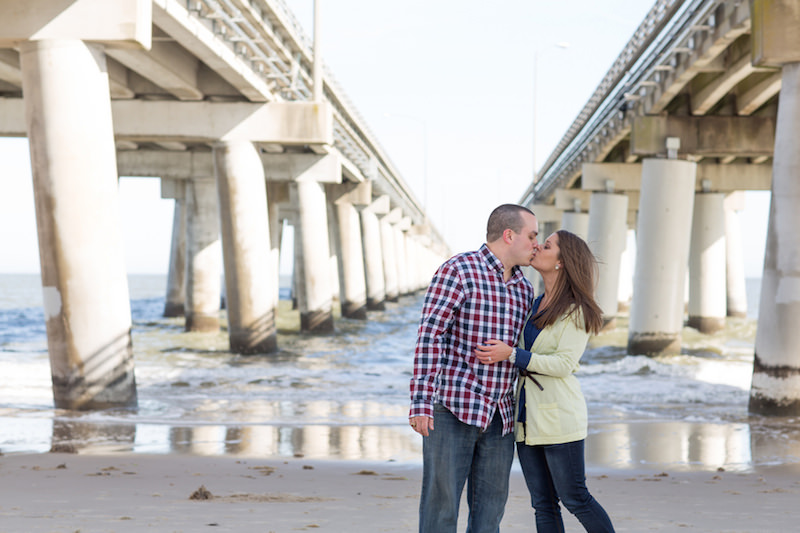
x=462 y=408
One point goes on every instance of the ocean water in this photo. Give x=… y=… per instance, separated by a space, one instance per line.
x=344 y=395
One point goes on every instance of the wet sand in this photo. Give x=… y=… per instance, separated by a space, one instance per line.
x=65 y=492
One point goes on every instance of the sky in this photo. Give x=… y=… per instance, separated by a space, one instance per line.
x=447 y=89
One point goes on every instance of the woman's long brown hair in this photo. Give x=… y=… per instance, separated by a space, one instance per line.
x=574 y=287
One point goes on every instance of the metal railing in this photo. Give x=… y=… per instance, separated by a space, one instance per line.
x=667 y=28
x=264 y=40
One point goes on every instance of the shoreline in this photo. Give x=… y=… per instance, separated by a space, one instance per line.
x=120 y=492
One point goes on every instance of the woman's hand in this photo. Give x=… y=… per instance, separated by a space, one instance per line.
x=492 y=351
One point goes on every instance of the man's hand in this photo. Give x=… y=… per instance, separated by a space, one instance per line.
x=421 y=424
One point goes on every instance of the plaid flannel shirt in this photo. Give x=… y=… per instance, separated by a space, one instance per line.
x=468 y=303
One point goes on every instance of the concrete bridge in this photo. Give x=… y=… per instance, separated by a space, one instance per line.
x=701 y=104
x=225 y=102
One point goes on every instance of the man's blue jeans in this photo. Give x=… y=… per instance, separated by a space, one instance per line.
x=554 y=472
x=455 y=453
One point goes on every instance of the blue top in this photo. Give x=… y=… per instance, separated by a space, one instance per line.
x=530 y=332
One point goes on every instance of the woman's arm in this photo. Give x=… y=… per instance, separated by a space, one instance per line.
x=563 y=361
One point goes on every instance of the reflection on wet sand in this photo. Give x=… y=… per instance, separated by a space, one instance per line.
x=370 y=443
x=692 y=446
x=76 y=437
x=671 y=445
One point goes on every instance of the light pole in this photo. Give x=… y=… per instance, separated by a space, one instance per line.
x=316 y=73
x=424 y=125
x=561 y=45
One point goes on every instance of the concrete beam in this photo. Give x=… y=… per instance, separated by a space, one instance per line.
x=172 y=146
x=118 y=84
x=546 y=213
x=732 y=20
x=748 y=101
x=729 y=178
x=775 y=32
x=167 y=65
x=710 y=136
x=712 y=93
x=394 y=216
x=421 y=230
x=568 y=199
x=199 y=39
x=381 y=205
x=285 y=123
x=357 y=194
x=163 y=164
x=126 y=145
x=721 y=178
x=121 y=23
x=350 y=170
x=10 y=70
x=308 y=167
x=623 y=177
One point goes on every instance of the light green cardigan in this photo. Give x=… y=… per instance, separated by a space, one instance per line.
x=556 y=414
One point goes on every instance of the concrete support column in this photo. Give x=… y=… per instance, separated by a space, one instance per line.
x=389 y=261
x=203 y=256
x=373 y=259
x=423 y=259
x=298 y=272
x=244 y=223
x=626 y=270
x=607 y=235
x=335 y=250
x=277 y=193
x=545 y=230
x=424 y=272
x=734 y=263
x=775 y=388
x=176 y=276
x=84 y=283
x=576 y=222
x=401 y=260
x=316 y=313
x=663 y=234
x=707 y=306
x=413 y=258
x=351 y=256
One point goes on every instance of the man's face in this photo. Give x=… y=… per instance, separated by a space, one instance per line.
x=524 y=243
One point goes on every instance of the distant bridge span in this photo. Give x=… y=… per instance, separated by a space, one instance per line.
x=223 y=101
x=702 y=103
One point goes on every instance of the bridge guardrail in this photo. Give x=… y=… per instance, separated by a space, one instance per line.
x=253 y=29
x=667 y=27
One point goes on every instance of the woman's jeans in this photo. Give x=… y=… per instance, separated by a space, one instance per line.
x=556 y=472
x=455 y=453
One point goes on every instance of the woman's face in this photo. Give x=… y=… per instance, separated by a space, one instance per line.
x=545 y=258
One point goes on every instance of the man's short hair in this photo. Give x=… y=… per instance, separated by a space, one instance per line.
x=506 y=216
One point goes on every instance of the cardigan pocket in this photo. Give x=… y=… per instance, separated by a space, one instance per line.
x=547 y=419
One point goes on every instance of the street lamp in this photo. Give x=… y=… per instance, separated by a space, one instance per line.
x=562 y=45
x=424 y=125
x=316 y=72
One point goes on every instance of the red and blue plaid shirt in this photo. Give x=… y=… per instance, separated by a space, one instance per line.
x=469 y=303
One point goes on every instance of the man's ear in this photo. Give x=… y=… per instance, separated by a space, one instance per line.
x=508 y=235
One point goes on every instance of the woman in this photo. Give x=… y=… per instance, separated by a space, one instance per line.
x=551 y=420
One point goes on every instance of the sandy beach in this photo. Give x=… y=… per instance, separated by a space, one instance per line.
x=66 y=492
